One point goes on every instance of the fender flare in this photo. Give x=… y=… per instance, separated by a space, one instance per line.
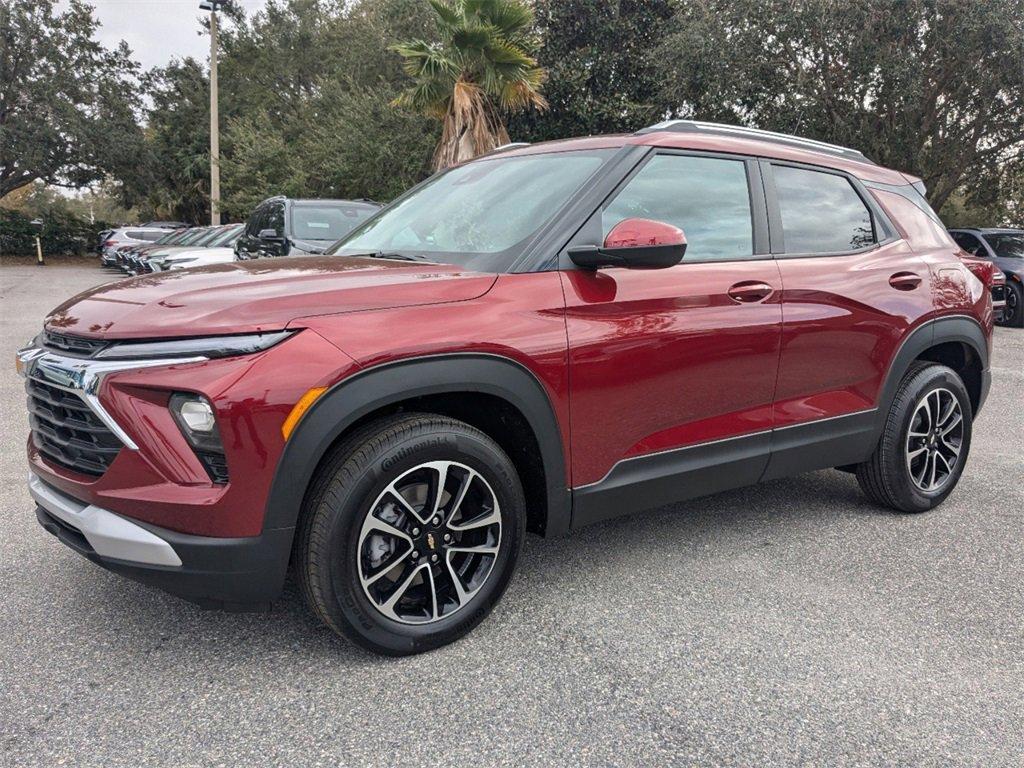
x=954 y=328
x=380 y=386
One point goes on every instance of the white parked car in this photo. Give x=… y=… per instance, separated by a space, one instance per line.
x=200 y=257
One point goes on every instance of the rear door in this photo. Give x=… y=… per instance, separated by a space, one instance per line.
x=668 y=367
x=851 y=288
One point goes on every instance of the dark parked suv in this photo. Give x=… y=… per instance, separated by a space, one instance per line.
x=284 y=227
x=540 y=339
x=1005 y=248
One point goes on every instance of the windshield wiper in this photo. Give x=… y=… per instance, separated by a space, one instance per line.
x=392 y=255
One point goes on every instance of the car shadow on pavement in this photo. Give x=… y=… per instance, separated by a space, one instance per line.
x=733 y=521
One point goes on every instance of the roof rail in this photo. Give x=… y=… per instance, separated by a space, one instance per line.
x=696 y=126
x=504 y=148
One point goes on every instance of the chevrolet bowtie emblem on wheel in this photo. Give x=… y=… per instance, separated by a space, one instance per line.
x=430 y=541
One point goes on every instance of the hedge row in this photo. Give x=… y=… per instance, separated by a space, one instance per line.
x=62 y=234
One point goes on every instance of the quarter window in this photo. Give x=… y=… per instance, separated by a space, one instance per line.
x=821 y=212
x=707 y=197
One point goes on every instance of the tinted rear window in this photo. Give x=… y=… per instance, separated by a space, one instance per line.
x=821 y=212
x=326 y=222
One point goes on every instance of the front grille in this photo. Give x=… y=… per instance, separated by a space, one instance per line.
x=74 y=345
x=67 y=432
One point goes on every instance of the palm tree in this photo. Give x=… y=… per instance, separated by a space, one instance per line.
x=483 y=66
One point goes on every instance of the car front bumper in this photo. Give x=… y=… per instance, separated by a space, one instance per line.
x=226 y=573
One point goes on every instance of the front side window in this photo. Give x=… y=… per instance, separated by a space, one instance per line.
x=480 y=215
x=1007 y=246
x=821 y=212
x=707 y=197
x=327 y=221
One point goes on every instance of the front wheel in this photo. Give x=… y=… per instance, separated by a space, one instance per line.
x=1013 y=312
x=410 y=534
x=925 y=442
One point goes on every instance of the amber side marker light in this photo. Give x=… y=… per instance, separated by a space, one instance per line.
x=300 y=408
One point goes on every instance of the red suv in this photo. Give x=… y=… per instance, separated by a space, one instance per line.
x=518 y=343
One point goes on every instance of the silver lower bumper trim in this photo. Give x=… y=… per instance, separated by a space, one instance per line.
x=109 y=534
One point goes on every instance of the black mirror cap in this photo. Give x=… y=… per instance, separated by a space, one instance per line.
x=633 y=257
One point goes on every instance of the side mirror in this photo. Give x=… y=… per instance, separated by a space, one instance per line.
x=634 y=244
x=269 y=234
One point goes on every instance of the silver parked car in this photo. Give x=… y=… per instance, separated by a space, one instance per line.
x=128 y=236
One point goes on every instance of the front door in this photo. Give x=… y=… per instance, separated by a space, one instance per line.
x=672 y=371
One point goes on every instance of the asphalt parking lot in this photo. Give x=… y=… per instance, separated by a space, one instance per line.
x=786 y=624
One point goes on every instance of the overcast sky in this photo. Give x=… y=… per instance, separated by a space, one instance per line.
x=156 y=30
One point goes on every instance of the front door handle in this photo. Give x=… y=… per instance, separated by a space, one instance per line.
x=905 y=281
x=750 y=292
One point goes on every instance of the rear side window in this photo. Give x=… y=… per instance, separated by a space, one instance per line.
x=969 y=243
x=821 y=212
x=707 y=197
x=140 y=235
x=327 y=222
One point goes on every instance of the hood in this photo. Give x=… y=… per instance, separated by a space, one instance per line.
x=259 y=295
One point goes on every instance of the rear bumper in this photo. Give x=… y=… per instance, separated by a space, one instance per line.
x=230 y=573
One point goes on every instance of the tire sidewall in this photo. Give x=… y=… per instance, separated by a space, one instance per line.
x=930 y=379
x=1018 y=293
x=343 y=515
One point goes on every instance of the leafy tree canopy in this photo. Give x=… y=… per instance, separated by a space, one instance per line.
x=603 y=68
x=933 y=87
x=66 y=116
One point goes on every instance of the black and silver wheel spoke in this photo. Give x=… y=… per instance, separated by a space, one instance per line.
x=934 y=440
x=428 y=542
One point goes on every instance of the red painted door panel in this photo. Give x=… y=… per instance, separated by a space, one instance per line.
x=843 y=318
x=659 y=359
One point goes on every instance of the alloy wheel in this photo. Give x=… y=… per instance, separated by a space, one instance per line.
x=1011 y=309
x=429 y=542
x=934 y=440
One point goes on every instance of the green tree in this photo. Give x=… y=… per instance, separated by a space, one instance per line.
x=482 y=66
x=319 y=122
x=66 y=111
x=933 y=87
x=604 y=74
x=171 y=175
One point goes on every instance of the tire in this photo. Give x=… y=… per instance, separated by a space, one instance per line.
x=1013 y=313
x=898 y=475
x=368 y=529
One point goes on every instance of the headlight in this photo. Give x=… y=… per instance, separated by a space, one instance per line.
x=203 y=346
x=198 y=424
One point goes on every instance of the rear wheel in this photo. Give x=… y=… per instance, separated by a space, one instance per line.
x=411 y=533
x=925 y=442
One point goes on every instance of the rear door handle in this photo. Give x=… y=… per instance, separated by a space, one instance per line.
x=750 y=292
x=905 y=281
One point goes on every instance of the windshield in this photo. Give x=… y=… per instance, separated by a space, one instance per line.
x=227 y=236
x=1007 y=246
x=479 y=215
x=327 y=221
x=170 y=237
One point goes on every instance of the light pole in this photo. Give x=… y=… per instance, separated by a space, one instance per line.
x=213 y=6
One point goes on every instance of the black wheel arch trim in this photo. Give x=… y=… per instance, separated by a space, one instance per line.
x=390 y=383
x=941 y=330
